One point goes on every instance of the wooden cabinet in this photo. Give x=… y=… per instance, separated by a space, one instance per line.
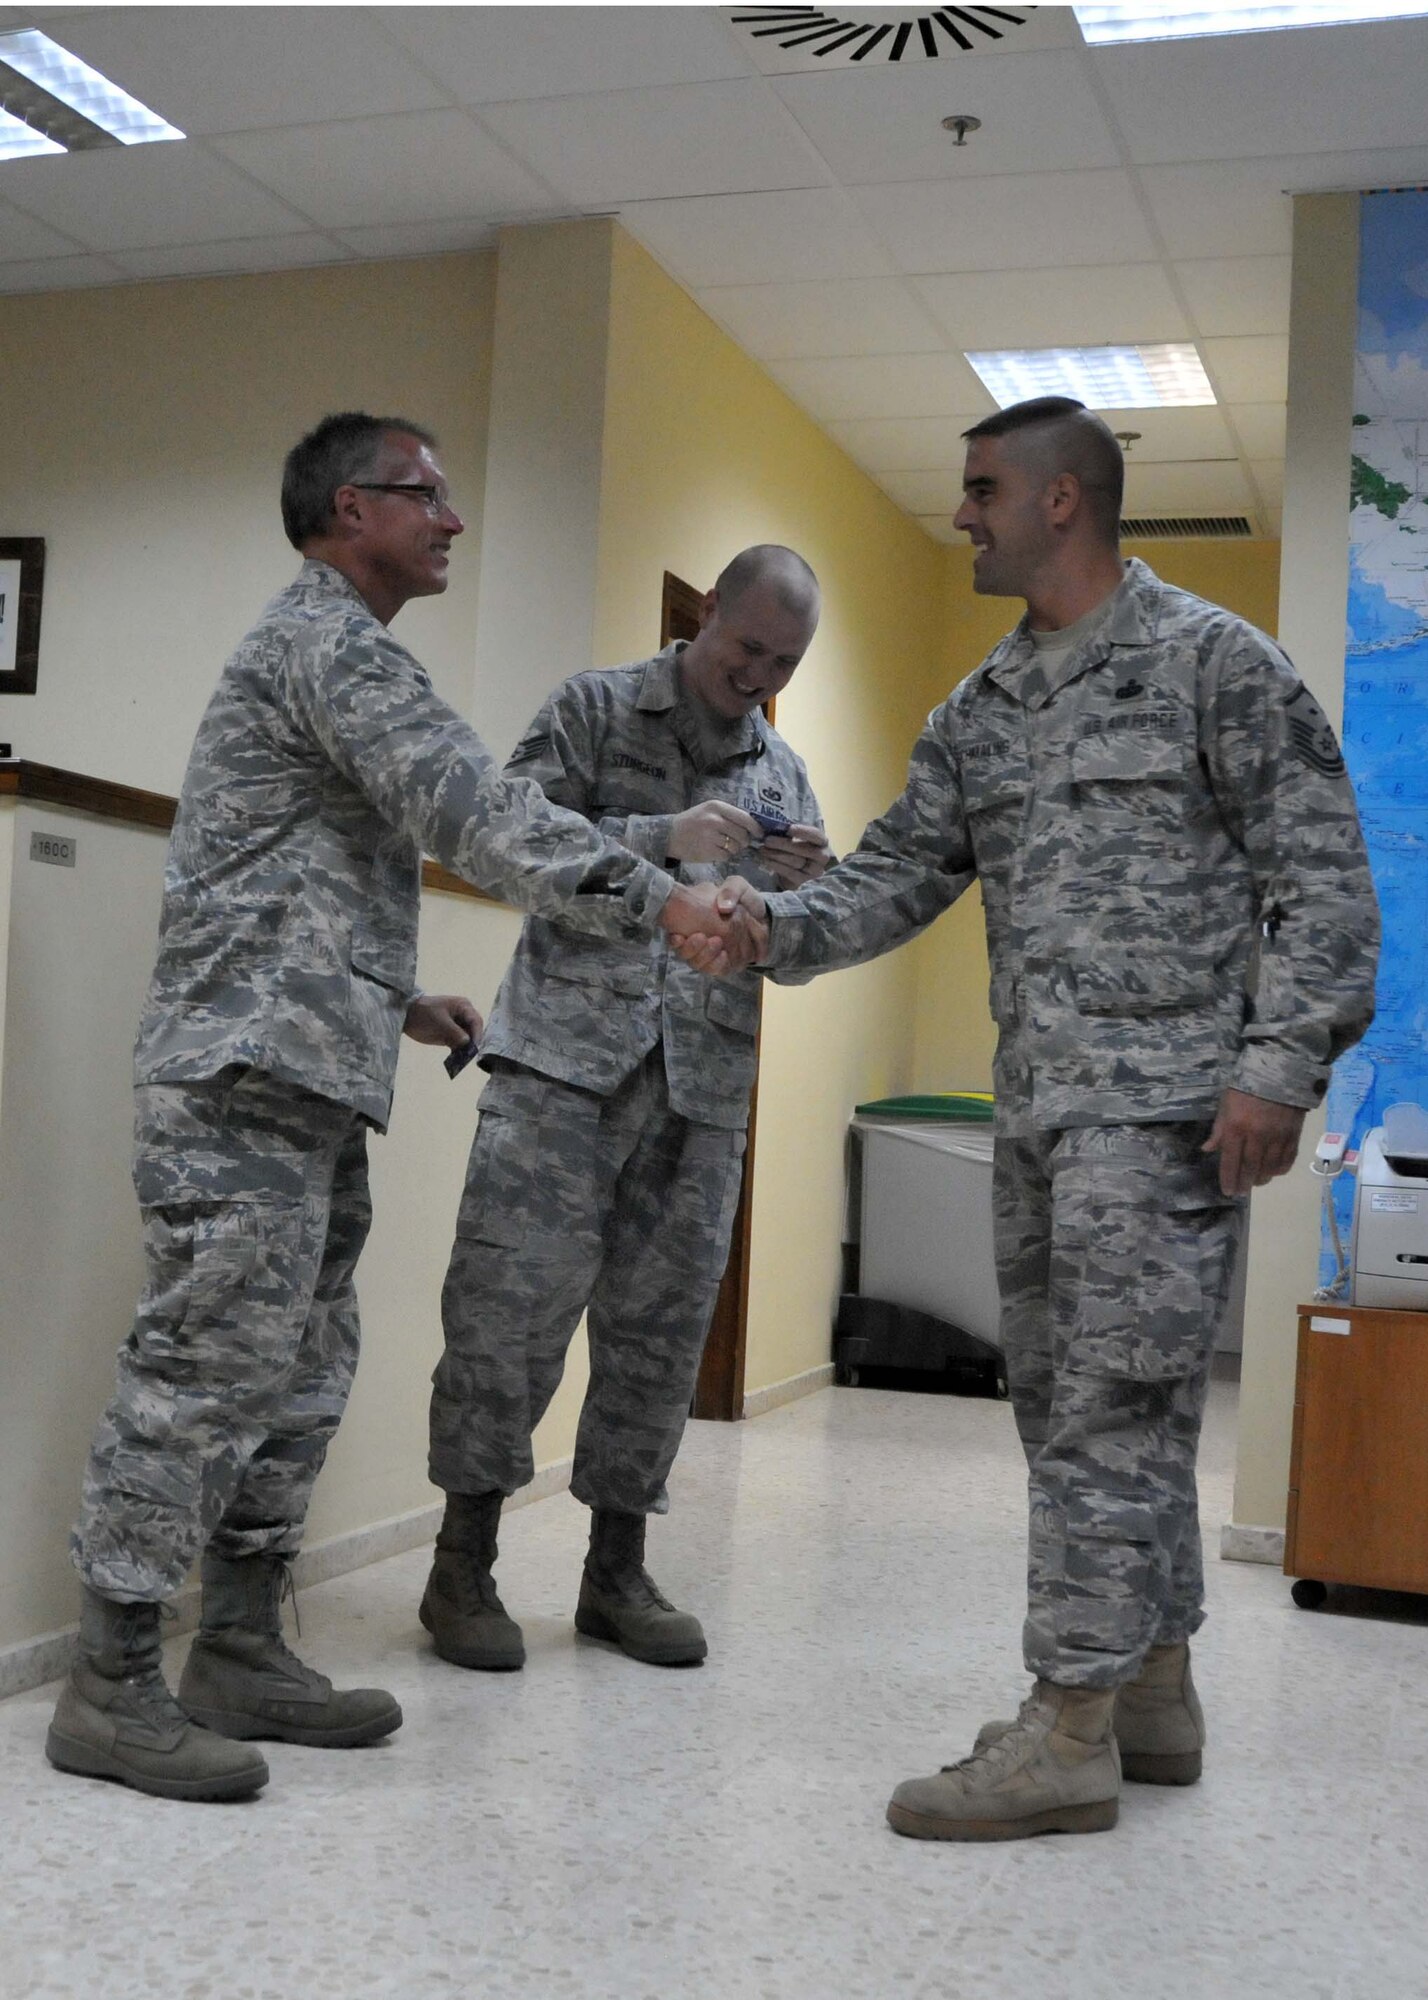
x=1358 y=1476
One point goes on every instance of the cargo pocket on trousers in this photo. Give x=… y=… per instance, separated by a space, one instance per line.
x=500 y=1174
x=1142 y=1310
x=154 y=1480
x=201 y=1257
x=1110 y=1545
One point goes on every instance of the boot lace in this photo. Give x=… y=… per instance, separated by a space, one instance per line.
x=1006 y=1748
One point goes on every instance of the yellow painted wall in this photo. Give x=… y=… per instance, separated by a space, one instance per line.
x=703 y=456
x=145 y=428
x=954 y=1034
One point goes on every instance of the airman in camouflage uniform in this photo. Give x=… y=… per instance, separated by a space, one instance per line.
x=286 y=972
x=606 y=1168
x=1182 y=931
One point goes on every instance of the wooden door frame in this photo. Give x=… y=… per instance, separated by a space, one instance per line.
x=719 y=1392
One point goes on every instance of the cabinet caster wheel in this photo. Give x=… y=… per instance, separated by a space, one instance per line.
x=1308 y=1594
x=1003 y=1388
x=850 y=1377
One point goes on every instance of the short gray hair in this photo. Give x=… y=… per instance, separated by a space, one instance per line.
x=339 y=451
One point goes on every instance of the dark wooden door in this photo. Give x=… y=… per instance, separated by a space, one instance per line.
x=719 y=1392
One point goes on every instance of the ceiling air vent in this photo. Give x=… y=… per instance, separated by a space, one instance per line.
x=1204 y=527
x=804 y=38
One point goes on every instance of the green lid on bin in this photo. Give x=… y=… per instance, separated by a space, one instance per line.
x=970 y=1107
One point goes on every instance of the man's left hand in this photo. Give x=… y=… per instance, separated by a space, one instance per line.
x=443 y=1020
x=1256 y=1139
x=795 y=857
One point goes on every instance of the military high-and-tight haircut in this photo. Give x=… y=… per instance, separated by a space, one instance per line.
x=791 y=578
x=1056 y=434
x=339 y=451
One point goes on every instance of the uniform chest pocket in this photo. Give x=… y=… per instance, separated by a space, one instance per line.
x=1125 y=767
x=994 y=776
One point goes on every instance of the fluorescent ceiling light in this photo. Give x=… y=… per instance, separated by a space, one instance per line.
x=17 y=138
x=1149 y=23
x=56 y=74
x=1103 y=378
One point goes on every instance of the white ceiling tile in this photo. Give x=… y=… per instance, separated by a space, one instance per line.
x=366 y=171
x=1248 y=369
x=1173 y=434
x=1235 y=208
x=265 y=253
x=57 y=274
x=1010 y=222
x=1268 y=476
x=1260 y=428
x=926 y=492
x=904 y=444
x=1242 y=208
x=886 y=124
x=221 y=69
x=757 y=239
x=22 y=236
x=940 y=527
x=642 y=145
x=137 y=197
x=1237 y=294
x=1216 y=97
x=891 y=385
x=483 y=54
x=1211 y=488
x=1093 y=303
x=419 y=239
x=848 y=316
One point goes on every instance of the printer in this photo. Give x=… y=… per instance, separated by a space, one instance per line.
x=1389 y=1251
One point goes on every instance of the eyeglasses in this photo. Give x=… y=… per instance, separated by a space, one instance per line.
x=435 y=499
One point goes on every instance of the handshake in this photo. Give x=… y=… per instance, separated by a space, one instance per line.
x=717 y=927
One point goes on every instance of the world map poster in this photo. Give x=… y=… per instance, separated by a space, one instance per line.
x=1386 y=655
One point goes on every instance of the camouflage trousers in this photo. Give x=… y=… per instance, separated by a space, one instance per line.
x=1115 y=1253
x=574 y=1201
x=233 y=1379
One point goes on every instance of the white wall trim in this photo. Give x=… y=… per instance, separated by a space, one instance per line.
x=32 y=1662
x=1242 y=1544
x=759 y=1402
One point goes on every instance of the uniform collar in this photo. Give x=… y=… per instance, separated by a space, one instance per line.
x=320 y=579
x=1132 y=618
x=705 y=736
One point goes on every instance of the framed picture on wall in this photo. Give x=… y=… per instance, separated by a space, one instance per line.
x=22 y=585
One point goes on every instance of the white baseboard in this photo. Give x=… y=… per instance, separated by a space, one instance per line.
x=32 y=1662
x=759 y=1402
x=1241 y=1544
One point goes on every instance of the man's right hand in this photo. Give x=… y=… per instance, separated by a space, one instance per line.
x=718 y=928
x=712 y=831
x=703 y=945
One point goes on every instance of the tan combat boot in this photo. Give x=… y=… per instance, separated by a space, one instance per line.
x=619 y=1602
x=1160 y=1726
x=243 y=1680
x=116 y=1718
x=462 y=1609
x=1055 y=1770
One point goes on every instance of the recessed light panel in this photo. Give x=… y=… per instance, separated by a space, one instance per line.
x=1160 y=377
x=83 y=89
x=17 y=139
x=1142 y=23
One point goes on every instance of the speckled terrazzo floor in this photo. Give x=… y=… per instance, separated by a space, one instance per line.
x=595 y=1828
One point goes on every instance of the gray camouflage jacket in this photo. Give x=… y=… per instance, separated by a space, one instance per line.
x=624 y=748
x=323 y=766
x=1177 y=894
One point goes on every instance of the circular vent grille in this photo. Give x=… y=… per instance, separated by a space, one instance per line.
x=788 y=38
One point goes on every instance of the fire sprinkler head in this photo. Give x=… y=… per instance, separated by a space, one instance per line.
x=960 y=123
x=1125 y=439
